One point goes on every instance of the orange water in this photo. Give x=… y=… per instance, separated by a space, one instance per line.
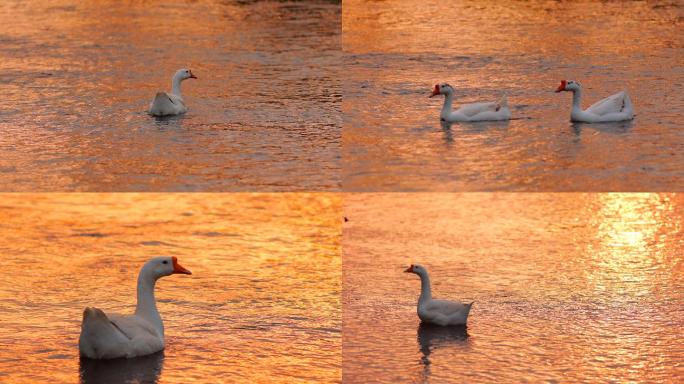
x=79 y=76
x=396 y=51
x=263 y=300
x=567 y=287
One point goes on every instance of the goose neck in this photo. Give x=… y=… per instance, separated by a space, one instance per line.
x=448 y=102
x=147 y=304
x=176 y=86
x=577 y=100
x=425 y=292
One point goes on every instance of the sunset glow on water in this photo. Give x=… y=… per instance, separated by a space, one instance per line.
x=78 y=78
x=263 y=300
x=567 y=287
x=341 y=191
x=392 y=136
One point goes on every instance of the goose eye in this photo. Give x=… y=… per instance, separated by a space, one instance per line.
x=165 y=262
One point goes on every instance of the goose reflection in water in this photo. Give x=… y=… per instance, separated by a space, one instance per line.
x=139 y=370
x=473 y=127
x=431 y=337
x=448 y=134
x=615 y=128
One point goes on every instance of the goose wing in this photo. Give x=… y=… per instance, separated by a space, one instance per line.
x=105 y=337
x=99 y=334
x=473 y=109
x=166 y=104
x=446 y=307
x=133 y=327
x=611 y=104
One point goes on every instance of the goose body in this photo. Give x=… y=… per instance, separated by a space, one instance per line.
x=112 y=336
x=439 y=312
x=617 y=107
x=483 y=111
x=168 y=104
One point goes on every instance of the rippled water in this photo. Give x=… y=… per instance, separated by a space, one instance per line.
x=78 y=78
x=392 y=136
x=263 y=301
x=567 y=287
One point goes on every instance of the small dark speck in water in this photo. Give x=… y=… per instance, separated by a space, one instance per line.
x=156 y=243
x=210 y=234
x=92 y=234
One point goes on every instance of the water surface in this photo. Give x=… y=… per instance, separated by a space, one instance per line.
x=392 y=136
x=567 y=287
x=262 y=304
x=78 y=78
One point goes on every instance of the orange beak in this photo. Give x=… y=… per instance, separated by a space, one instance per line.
x=409 y=269
x=561 y=87
x=192 y=76
x=435 y=91
x=177 y=268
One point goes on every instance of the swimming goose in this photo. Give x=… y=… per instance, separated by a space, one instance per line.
x=617 y=107
x=111 y=336
x=486 y=111
x=439 y=312
x=166 y=104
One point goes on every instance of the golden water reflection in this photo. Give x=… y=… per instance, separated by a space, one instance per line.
x=567 y=286
x=78 y=78
x=392 y=136
x=262 y=302
x=471 y=26
x=630 y=241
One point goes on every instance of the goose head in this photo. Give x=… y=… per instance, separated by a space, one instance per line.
x=568 y=85
x=163 y=266
x=183 y=74
x=442 y=89
x=417 y=269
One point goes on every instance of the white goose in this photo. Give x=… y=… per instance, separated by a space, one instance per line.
x=617 y=107
x=439 y=312
x=166 y=104
x=470 y=112
x=112 y=336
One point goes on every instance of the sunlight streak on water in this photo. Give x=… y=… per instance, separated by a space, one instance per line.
x=567 y=287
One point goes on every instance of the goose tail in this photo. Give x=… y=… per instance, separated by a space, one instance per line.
x=627 y=104
x=162 y=105
x=470 y=306
x=93 y=315
x=503 y=102
x=96 y=331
